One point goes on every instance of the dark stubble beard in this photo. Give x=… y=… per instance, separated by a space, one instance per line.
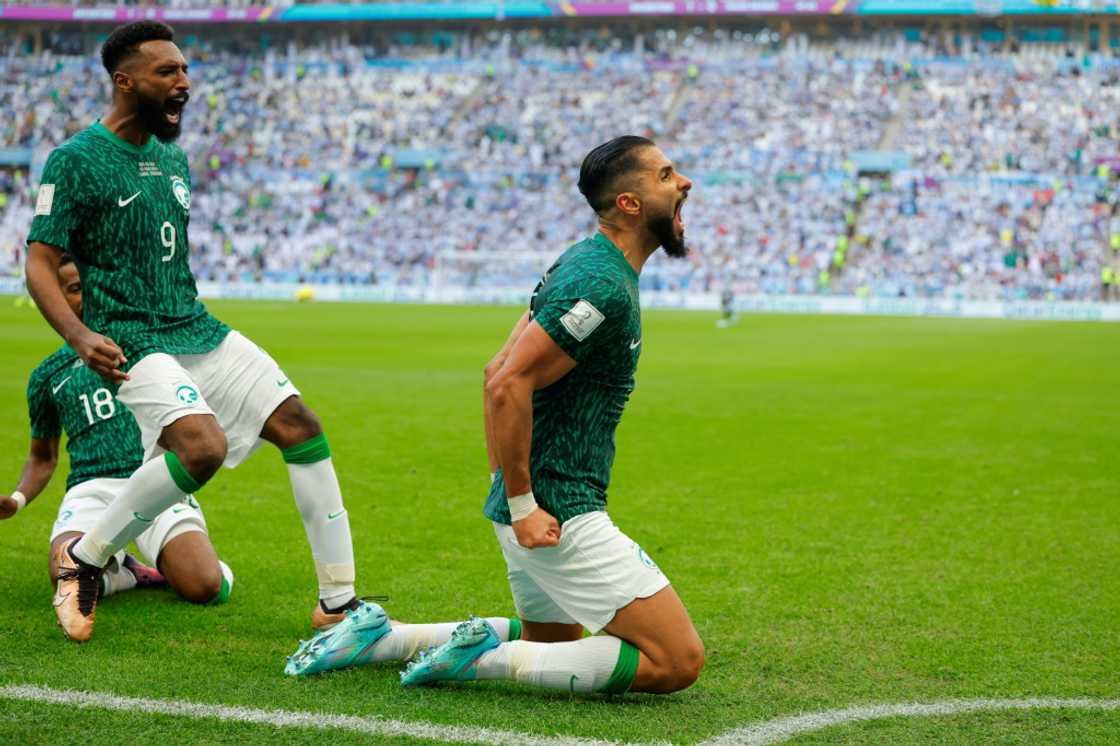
x=153 y=117
x=666 y=235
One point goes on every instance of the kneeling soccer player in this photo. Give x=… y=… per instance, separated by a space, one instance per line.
x=554 y=396
x=103 y=442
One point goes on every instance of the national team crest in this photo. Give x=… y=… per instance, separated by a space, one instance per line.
x=181 y=191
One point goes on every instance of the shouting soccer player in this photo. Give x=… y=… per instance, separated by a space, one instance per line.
x=104 y=447
x=117 y=197
x=554 y=396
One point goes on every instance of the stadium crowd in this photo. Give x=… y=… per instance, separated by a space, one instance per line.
x=414 y=164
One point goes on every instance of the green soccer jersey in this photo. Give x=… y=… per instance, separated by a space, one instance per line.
x=587 y=302
x=102 y=437
x=122 y=211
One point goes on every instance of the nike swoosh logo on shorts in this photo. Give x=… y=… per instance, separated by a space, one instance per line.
x=283 y=383
x=635 y=343
x=61 y=384
x=123 y=202
x=139 y=517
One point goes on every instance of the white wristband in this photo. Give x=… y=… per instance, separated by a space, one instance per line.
x=521 y=506
x=20 y=499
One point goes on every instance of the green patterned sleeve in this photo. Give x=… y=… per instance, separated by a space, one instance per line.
x=582 y=314
x=58 y=203
x=40 y=408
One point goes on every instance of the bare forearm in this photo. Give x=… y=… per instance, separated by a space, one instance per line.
x=42 y=283
x=491 y=370
x=510 y=421
x=35 y=477
x=39 y=467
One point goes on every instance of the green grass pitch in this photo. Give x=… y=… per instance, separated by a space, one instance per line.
x=855 y=510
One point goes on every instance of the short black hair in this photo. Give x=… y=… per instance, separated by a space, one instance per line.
x=603 y=166
x=126 y=40
x=64 y=260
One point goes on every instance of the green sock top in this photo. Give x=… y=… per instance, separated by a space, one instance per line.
x=624 y=671
x=310 y=451
x=183 y=479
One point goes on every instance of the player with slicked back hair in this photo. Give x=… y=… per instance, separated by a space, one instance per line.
x=117 y=196
x=554 y=396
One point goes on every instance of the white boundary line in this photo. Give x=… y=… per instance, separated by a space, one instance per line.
x=758 y=734
x=373 y=726
x=783 y=729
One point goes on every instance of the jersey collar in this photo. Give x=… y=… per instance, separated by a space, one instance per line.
x=606 y=243
x=100 y=129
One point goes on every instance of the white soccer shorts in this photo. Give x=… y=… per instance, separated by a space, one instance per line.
x=238 y=382
x=84 y=503
x=594 y=571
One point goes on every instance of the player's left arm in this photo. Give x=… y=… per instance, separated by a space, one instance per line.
x=534 y=362
x=36 y=475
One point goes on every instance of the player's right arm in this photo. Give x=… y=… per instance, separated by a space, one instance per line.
x=46 y=429
x=97 y=351
x=37 y=472
x=491 y=369
x=534 y=362
x=62 y=212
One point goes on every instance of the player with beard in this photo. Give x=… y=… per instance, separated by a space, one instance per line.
x=553 y=398
x=117 y=197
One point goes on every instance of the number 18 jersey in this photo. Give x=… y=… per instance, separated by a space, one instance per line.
x=122 y=211
x=103 y=439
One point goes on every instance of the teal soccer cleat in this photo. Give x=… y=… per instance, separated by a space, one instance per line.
x=348 y=643
x=453 y=660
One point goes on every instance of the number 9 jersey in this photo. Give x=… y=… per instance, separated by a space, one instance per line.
x=103 y=439
x=122 y=211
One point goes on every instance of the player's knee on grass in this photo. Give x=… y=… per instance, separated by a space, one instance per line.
x=200 y=586
x=191 y=568
x=677 y=669
x=685 y=666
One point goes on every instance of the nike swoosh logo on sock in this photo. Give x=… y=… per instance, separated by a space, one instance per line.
x=332 y=516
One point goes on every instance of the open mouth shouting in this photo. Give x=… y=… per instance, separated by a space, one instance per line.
x=173 y=108
x=678 y=221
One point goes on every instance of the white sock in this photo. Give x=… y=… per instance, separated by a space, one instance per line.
x=583 y=666
x=148 y=492
x=319 y=501
x=117 y=581
x=116 y=578
x=406 y=640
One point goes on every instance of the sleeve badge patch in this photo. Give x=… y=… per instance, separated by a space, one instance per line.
x=45 y=201
x=581 y=320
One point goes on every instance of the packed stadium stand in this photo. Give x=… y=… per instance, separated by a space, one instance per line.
x=881 y=163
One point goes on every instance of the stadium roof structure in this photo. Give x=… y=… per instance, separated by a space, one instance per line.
x=499 y=10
